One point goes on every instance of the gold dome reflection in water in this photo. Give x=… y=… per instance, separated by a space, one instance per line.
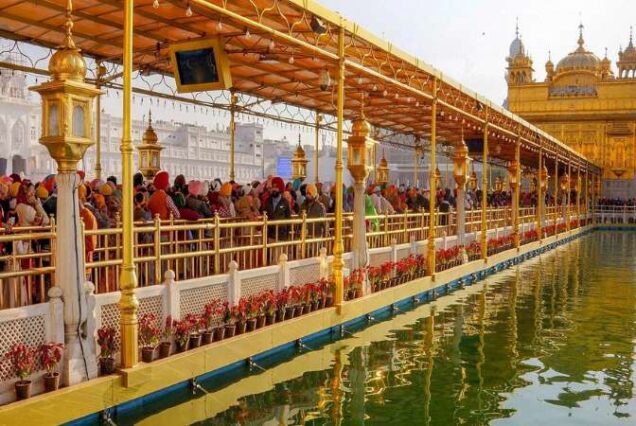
x=547 y=342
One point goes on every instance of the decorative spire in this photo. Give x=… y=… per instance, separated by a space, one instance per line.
x=298 y=139
x=68 y=25
x=605 y=52
x=517 y=26
x=630 y=36
x=581 y=42
x=150 y=118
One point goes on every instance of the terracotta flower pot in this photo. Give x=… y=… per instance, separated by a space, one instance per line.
x=250 y=324
x=241 y=327
x=271 y=319
x=51 y=381
x=23 y=389
x=164 y=349
x=206 y=337
x=230 y=330
x=260 y=321
x=194 y=340
x=106 y=366
x=219 y=334
x=147 y=354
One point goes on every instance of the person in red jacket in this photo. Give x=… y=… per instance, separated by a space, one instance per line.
x=160 y=202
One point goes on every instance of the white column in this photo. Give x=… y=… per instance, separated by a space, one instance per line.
x=360 y=247
x=70 y=276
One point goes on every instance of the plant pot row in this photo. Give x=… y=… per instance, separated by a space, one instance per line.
x=227 y=331
x=23 y=387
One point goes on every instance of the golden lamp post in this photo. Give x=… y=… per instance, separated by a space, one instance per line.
x=382 y=171
x=67 y=111
x=359 y=162
x=299 y=163
x=460 y=173
x=149 y=152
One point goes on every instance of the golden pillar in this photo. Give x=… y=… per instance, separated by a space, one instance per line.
x=430 y=257
x=101 y=71
x=540 y=198
x=514 y=171
x=338 y=244
x=460 y=173
x=418 y=155
x=233 y=102
x=128 y=303
x=316 y=148
x=568 y=195
x=557 y=207
x=484 y=197
x=578 y=194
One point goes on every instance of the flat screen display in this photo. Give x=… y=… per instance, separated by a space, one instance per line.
x=197 y=66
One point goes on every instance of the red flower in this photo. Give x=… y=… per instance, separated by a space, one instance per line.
x=50 y=355
x=22 y=359
x=106 y=341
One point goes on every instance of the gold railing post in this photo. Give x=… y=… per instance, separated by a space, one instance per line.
x=157 y=241
x=265 y=231
x=128 y=303
x=101 y=70
x=569 y=191
x=430 y=256
x=516 y=195
x=217 y=243
x=484 y=196
x=540 y=197
x=338 y=248
x=557 y=208
x=303 y=234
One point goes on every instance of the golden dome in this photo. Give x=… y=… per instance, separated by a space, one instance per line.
x=580 y=59
x=67 y=63
x=300 y=152
x=383 y=162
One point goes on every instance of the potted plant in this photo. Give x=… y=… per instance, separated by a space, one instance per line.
x=283 y=311
x=50 y=356
x=252 y=310
x=328 y=286
x=260 y=316
x=295 y=298
x=207 y=319
x=106 y=342
x=270 y=307
x=239 y=314
x=22 y=359
x=356 y=279
x=386 y=270
x=166 y=344
x=149 y=334
x=181 y=334
x=226 y=313
x=195 y=333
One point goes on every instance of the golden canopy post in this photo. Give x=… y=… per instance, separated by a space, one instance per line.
x=101 y=71
x=418 y=155
x=484 y=197
x=557 y=208
x=233 y=102
x=541 y=177
x=578 y=193
x=430 y=257
x=128 y=303
x=338 y=244
x=460 y=173
x=568 y=195
x=514 y=171
x=316 y=140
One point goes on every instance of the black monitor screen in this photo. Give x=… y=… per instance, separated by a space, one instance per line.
x=197 y=66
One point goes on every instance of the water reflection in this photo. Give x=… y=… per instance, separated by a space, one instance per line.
x=551 y=342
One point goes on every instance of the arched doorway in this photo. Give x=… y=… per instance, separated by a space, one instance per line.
x=18 y=164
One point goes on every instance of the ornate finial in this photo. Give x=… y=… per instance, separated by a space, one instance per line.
x=630 y=36
x=549 y=56
x=517 y=26
x=581 y=35
x=298 y=139
x=68 y=39
x=149 y=118
x=605 y=52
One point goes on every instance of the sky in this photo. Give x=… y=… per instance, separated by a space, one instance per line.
x=469 y=39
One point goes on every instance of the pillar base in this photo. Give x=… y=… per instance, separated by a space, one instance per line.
x=77 y=362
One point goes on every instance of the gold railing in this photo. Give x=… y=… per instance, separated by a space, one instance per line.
x=27 y=259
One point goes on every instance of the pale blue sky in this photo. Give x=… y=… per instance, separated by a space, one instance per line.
x=469 y=39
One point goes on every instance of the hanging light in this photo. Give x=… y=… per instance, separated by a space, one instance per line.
x=386 y=92
x=272 y=45
x=291 y=60
x=219 y=25
x=247 y=33
x=188 y=10
x=155 y=4
x=324 y=80
x=382 y=171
